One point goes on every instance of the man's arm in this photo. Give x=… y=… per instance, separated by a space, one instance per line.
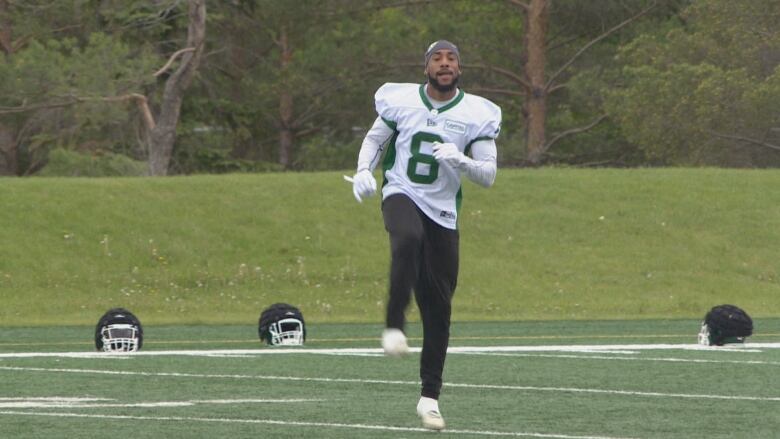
x=481 y=169
x=364 y=183
x=373 y=144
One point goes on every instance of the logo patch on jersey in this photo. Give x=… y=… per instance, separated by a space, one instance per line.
x=447 y=214
x=455 y=127
x=431 y=123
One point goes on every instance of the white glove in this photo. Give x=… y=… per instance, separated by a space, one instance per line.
x=363 y=185
x=448 y=153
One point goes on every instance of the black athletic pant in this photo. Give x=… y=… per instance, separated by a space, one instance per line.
x=424 y=258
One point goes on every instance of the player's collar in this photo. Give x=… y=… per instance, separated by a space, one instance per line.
x=429 y=106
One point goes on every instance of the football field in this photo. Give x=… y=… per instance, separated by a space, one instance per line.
x=565 y=379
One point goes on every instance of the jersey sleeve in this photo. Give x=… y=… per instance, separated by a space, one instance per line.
x=387 y=100
x=491 y=121
x=373 y=144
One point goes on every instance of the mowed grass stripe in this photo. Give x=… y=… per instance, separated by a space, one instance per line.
x=594 y=348
x=396 y=382
x=307 y=424
x=373 y=339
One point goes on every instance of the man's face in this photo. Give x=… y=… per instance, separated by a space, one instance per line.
x=443 y=70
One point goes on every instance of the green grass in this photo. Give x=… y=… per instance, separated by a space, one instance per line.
x=548 y=244
x=650 y=394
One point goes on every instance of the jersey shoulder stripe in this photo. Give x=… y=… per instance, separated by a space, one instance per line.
x=392 y=96
x=484 y=113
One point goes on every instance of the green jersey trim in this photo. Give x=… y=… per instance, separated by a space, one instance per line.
x=458 y=202
x=390 y=123
x=429 y=106
x=468 y=147
x=389 y=159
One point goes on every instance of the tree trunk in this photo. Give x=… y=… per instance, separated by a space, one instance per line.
x=162 y=135
x=9 y=161
x=6 y=42
x=286 y=134
x=536 y=92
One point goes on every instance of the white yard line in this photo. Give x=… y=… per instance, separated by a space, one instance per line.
x=625 y=358
x=391 y=382
x=612 y=348
x=77 y=403
x=308 y=424
x=54 y=398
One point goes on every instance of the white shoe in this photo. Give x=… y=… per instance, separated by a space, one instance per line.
x=428 y=411
x=394 y=342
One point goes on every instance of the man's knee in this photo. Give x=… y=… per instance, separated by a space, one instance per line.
x=406 y=241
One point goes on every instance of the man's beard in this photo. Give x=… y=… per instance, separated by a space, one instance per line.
x=443 y=88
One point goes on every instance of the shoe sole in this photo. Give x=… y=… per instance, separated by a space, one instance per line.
x=397 y=353
x=433 y=425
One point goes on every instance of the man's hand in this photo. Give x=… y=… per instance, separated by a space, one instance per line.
x=363 y=185
x=448 y=153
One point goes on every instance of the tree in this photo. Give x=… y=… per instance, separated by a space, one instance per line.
x=9 y=144
x=535 y=43
x=162 y=131
x=293 y=72
x=65 y=93
x=705 y=89
x=288 y=85
x=532 y=81
x=538 y=84
x=81 y=82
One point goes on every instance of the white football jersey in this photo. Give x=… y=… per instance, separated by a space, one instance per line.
x=409 y=166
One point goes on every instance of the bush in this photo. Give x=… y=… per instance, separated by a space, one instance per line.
x=65 y=163
x=218 y=161
x=326 y=153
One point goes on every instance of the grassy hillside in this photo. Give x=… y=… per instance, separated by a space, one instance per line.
x=541 y=244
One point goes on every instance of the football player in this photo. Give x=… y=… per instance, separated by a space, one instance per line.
x=431 y=134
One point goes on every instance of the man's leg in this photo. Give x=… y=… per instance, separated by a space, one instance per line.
x=433 y=293
x=405 y=229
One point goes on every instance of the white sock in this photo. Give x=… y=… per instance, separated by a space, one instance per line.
x=427 y=404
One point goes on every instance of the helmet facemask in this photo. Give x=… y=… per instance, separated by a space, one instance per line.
x=120 y=337
x=286 y=332
x=704 y=335
x=282 y=324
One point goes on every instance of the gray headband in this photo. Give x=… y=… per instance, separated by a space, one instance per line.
x=439 y=45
